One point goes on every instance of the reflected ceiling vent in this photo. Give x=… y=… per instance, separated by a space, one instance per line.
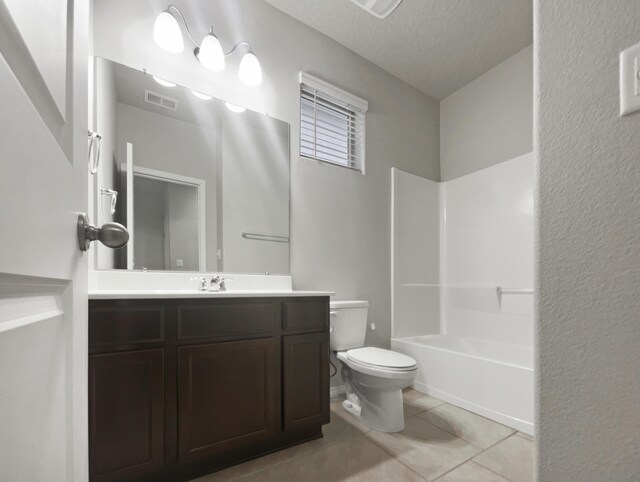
x=378 y=8
x=160 y=100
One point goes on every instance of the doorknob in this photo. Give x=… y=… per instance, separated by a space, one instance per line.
x=112 y=235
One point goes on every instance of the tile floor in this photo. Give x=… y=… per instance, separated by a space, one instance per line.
x=440 y=442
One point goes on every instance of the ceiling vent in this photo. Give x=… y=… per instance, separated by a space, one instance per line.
x=378 y=8
x=160 y=100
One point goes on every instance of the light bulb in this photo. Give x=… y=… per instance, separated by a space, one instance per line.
x=235 y=108
x=167 y=33
x=250 y=72
x=166 y=83
x=210 y=53
x=202 y=96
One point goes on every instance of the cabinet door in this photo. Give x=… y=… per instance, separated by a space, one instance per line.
x=126 y=414
x=306 y=380
x=227 y=397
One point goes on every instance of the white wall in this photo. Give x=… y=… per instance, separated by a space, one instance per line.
x=340 y=220
x=415 y=255
x=490 y=120
x=487 y=241
x=588 y=245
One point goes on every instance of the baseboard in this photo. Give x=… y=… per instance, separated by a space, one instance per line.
x=335 y=392
x=509 y=421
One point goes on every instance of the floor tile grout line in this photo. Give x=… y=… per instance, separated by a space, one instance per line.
x=475 y=414
x=300 y=455
x=514 y=433
x=400 y=461
x=466 y=460
x=492 y=471
x=469 y=441
x=470 y=459
x=394 y=457
x=488 y=468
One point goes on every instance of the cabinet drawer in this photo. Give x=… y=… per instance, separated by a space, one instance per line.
x=124 y=326
x=305 y=315
x=227 y=320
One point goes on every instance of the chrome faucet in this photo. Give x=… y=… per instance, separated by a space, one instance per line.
x=217 y=283
x=203 y=285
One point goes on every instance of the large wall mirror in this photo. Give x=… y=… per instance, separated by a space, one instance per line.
x=202 y=185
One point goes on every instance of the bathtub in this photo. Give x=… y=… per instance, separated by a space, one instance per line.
x=490 y=378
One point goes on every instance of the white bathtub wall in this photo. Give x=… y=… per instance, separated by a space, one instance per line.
x=487 y=241
x=415 y=255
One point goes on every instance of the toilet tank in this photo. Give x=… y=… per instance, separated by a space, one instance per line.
x=348 y=322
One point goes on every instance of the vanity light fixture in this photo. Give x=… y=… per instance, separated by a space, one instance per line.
x=250 y=72
x=235 y=108
x=163 y=82
x=200 y=95
x=168 y=35
x=210 y=53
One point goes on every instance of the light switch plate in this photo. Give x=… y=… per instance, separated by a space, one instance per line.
x=630 y=80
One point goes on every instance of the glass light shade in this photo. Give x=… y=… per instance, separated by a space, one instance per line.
x=167 y=33
x=250 y=72
x=202 y=96
x=234 y=108
x=210 y=54
x=166 y=83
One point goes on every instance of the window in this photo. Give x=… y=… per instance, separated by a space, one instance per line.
x=332 y=124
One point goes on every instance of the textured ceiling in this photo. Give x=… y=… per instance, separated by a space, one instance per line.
x=437 y=46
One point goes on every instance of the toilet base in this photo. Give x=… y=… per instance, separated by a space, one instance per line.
x=374 y=395
x=378 y=408
x=383 y=411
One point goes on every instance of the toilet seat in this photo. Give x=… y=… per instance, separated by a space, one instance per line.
x=381 y=359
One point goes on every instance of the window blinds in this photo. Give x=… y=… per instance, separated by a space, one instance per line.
x=332 y=124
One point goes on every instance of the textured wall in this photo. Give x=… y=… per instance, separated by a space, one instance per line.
x=340 y=220
x=490 y=120
x=588 y=245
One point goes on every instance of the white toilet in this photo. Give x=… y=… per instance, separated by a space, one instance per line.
x=374 y=377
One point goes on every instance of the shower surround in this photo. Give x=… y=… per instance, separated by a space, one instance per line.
x=453 y=245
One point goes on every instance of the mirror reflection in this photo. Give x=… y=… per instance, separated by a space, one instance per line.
x=202 y=185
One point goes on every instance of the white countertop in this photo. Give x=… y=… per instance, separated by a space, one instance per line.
x=175 y=294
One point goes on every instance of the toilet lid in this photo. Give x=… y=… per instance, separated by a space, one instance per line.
x=380 y=357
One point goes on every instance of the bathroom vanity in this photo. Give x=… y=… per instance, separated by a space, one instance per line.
x=185 y=384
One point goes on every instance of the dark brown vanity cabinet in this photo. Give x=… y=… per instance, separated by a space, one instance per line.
x=306 y=380
x=179 y=388
x=227 y=396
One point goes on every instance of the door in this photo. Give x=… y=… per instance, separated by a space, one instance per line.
x=43 y=275
x=306 y=380
x=227 y=397
x=126 y=404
